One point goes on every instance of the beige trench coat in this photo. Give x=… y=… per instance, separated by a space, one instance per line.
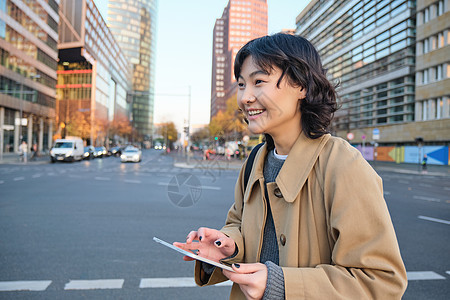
x=335 y=235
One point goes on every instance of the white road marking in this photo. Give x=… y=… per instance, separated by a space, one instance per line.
x=36 y=175
x=425 y=185
x=403 y=181
x=447 y=188
x=1 y=182
x=132 y=181
x=19 y=178
x=100 y=284
x=173 y=282
x=8 y=286
x=204 y=187
x=434 y=220
x=423 y=275
x=448 y=272
x=75 y=176
x=386 y=193
x=427 y=198
x=102 y=178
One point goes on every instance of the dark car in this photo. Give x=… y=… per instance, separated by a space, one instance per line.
x=89 y=152
x=100 y=151
x=116 y=151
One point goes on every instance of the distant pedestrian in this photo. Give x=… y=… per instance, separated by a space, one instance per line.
x=424 y=163
x=23 y=151
x=34 y=150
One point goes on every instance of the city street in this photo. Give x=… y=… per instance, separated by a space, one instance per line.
x=84 y=230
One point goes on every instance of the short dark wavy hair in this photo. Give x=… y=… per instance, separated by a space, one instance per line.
x=300 y=62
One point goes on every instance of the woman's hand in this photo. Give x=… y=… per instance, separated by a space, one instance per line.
x=252 y=279
x=209 y=243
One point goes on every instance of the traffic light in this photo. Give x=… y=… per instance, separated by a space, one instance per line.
x=216 y=138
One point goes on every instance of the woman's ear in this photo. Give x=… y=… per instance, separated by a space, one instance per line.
x=302 y=93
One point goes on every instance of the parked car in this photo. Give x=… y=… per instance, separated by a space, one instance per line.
x=100 y=151
x=68 y=149
x=89 y=152
x=131 y=154
x=116 y=151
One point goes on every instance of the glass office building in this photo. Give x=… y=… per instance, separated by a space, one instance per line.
x=370 y=48
x=28 y=56
x=133 y=25
x=94 y=77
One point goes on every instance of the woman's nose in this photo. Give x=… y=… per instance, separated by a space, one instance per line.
x=248 y=98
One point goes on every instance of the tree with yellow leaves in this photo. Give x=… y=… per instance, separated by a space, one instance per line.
x=228 y=124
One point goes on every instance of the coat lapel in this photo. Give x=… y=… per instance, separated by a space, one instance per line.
x=299 y=164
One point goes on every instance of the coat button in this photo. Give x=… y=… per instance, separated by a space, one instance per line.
x=283 y=239
x=277 y=193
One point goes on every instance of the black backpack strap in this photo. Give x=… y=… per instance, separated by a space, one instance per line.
x=249 y=165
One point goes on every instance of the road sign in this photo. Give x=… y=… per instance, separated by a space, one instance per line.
x=350 y=136
x=376 y=134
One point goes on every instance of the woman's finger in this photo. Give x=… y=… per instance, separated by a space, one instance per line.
x=191 y=236
x=242 y=272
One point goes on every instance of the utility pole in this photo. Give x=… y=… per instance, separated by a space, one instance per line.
x=189 y=129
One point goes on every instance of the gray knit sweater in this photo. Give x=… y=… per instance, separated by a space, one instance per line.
x=269 y=251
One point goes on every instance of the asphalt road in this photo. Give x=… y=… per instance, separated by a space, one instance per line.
x=84 y=230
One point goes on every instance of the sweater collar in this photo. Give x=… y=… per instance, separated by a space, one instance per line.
x=296 y=168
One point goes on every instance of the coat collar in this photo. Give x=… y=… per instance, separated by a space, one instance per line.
x=296 y=168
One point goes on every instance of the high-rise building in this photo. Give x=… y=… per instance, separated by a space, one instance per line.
x=370 y=47
x=241 y=22
x=28 y=56
x=94 y=77
x=133 y=25
x=433 y=61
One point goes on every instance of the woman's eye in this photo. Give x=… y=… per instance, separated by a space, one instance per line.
x=258 y=81
x=240 y=84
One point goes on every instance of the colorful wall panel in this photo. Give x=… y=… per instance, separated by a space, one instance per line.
x=367 y=152
x=437 y=155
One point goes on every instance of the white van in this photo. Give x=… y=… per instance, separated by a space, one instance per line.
x=69 y=149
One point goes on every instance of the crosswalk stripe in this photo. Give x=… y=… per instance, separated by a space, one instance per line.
x=423 y=275
x=9 y=286
x=132 y=181
x=434 y=220
x=204 y=187
x=174 y=282
x=427 y=198
x=102 y=178
x=100 y=284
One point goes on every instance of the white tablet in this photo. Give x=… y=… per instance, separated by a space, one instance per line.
x=194 y=256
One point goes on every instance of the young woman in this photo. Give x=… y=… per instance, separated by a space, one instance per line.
x=311 y=222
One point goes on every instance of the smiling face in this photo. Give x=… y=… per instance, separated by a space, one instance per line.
x=269 y=108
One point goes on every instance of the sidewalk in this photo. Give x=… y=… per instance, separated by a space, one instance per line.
x=14 y=159
x=220 y=162
x=414 y=169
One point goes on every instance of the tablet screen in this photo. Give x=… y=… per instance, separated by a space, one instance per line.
x=194 y=256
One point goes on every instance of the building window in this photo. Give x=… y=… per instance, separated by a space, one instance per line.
x=439 y=108
x=424 y=110
x=426 y=15
x=426 y=46
x=425 y=76
x=439 y=72
x=440 y=10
